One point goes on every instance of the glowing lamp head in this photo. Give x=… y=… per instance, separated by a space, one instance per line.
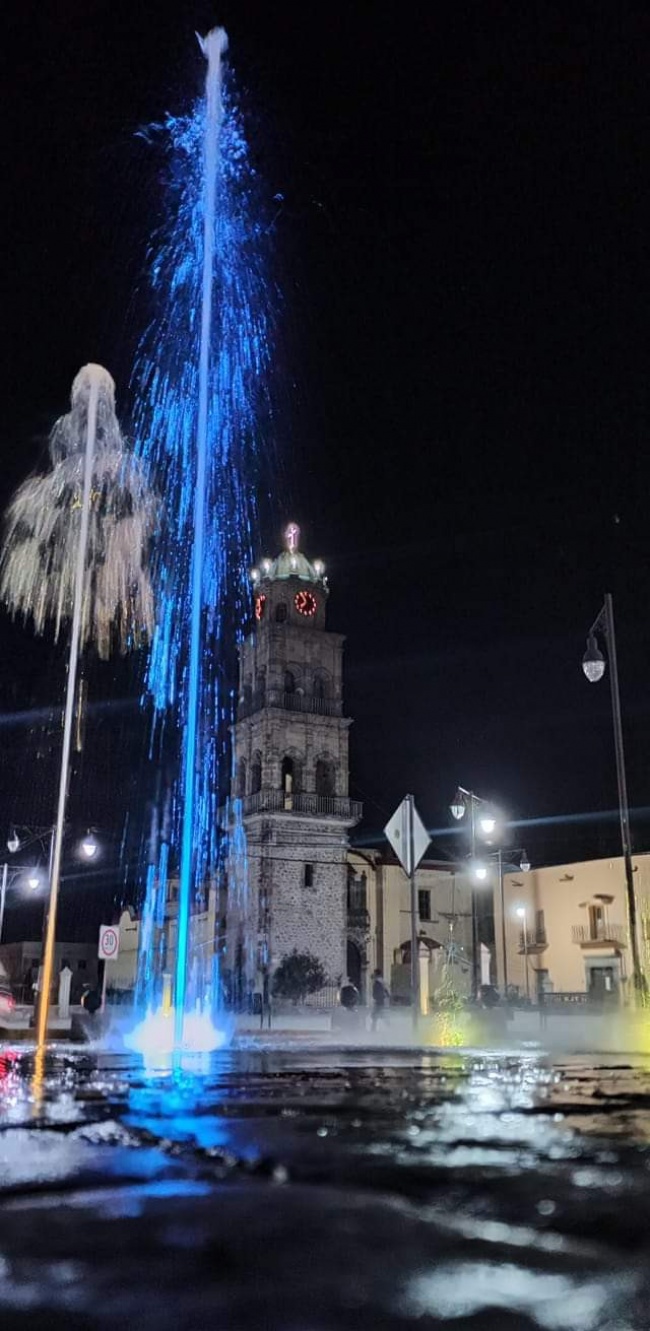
x=33 y=880
x=266 y=567
x=89 y=846
x=524 y=863
x=480 y=872
x=593 y=661
x=487 y=824
x=13 y=843
x=457 y=806
x=255 y=575
x=521 y=912
x=319 y=567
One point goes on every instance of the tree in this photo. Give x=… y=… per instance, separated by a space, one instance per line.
x=299 y=974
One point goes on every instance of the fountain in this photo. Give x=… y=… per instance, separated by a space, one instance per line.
x=200 y=374
x=76 y=550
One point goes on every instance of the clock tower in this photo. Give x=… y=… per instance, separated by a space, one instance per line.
x=290 y=807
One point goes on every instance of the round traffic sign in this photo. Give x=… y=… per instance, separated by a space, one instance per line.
x=108 y=943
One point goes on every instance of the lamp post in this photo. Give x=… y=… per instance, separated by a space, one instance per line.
x=463 y=801
x=480 y=872
x=521 y=912
x=594 y=666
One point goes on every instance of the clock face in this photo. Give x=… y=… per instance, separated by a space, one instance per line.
x=305 y=603
x=260 y=602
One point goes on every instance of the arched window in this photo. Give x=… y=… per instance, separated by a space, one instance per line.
x=256 y=773
x=287 y=779
x=240 y=785
x=281 y=612
x=325 y=777
x=261 y=684
x=289 y=681
x=320 y=687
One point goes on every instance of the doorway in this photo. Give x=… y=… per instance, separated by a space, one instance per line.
x=354 y=964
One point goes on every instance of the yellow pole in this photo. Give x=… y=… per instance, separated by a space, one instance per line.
x=50 y=934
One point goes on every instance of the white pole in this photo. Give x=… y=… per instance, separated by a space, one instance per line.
x=3 y=895
x=526 y=958
x=96 y=375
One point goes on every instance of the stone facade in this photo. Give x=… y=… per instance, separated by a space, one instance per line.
x=290 y=783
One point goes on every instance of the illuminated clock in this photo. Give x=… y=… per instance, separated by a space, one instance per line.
x=305 y=603
x=260 y=602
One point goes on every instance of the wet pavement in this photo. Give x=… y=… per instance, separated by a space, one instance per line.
x=309 y=1188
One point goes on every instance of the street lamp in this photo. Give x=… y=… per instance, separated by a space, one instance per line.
x=521 y=912
x=89 y=846
x=594 y=666
x=463 y=801
x=481 y=872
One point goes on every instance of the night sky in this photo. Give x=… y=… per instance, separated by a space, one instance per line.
x=460 y=383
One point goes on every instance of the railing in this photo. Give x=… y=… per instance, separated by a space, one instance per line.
x=289 y=702
x=533 y=940
x=602 y=932
x=327 y=806
x=564 y=999
x=325 y=998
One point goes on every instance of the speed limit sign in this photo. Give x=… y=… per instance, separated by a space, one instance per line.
x=109 y=942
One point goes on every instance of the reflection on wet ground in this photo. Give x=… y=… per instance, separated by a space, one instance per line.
x=313 y=1188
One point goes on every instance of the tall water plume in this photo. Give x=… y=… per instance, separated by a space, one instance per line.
x=200 y=387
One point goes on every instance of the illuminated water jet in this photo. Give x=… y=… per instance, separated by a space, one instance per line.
x=199 y=382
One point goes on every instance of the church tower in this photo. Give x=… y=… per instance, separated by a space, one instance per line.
x=290 y=791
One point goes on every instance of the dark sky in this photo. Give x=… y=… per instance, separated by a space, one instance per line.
x=462 y=368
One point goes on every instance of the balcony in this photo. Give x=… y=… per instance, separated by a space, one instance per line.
x=534 y=942
x=319 y=806
x=603 y=934
x=358 y=918
x=289 y=702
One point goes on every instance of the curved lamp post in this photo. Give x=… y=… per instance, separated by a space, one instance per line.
x=594 y=666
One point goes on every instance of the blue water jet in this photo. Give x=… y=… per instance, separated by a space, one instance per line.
x=200 y=388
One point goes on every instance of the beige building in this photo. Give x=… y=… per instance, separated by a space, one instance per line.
x=573 y=935
x=379 y=922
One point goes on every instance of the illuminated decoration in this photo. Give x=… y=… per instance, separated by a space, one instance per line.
x=199 y=385
x=38 y=562
x=305 y=603
x=260 y=603
x=292 y=536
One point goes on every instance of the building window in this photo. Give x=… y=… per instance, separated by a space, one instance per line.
x=424 y=904
x=309 y=875
x=256 y=773
x=290 y=780
x=320 y=688
x=356 y=892
x=325 y=777
x=240 y=790
x=281 y=612
x=596 y=922
x=540 y=928
x=289 y=681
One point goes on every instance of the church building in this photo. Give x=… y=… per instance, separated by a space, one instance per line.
x=291 y=813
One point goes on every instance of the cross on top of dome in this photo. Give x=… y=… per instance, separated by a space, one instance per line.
x=292 y=536
x=290 y=563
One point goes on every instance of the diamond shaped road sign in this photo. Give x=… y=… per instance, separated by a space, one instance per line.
x=398 y=832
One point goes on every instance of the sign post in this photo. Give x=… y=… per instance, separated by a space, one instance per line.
x=409 y=838
x=108 y=950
